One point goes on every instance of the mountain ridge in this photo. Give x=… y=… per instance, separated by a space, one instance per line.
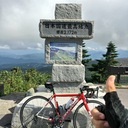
x=36 y=58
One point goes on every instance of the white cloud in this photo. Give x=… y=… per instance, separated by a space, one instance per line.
x=19 y=21
x=4 y=47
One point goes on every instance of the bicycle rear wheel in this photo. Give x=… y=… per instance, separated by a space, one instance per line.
x=81 y=118
x=29 y=110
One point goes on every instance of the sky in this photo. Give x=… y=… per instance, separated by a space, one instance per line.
x=19 y=22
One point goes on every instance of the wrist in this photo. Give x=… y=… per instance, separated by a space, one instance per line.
x=111 y=97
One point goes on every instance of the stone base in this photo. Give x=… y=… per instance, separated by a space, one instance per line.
x=68 y=73
x=68 y=87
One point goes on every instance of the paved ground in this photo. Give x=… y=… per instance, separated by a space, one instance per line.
x=8 y=103
x=123 y=94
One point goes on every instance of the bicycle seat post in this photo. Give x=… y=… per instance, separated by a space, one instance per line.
x=80 y=90
x=53 y=90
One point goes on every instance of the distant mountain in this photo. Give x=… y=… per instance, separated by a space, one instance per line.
x=123 y=54
x=9 y=52
x=21 y=58
x=29 y=58
x=35 y=58
x=24 y=66
x=99 y=54
x=122 y=62
x=95 y=54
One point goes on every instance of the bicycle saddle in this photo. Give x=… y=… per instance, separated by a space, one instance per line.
x=49 y=85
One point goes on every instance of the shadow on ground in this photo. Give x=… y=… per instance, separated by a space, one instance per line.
x=7 y=105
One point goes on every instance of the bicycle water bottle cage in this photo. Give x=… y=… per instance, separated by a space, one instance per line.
x=49 y=86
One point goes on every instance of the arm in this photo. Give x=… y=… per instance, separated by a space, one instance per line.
x=115 y=112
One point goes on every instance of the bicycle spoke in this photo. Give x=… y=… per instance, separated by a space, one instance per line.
x=82 y=118
x=27 y=121
x=35 y=115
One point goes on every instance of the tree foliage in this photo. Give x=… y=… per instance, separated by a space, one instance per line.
x=85 y=55
x=85 y=60
x=17 y=80
x=100 y=69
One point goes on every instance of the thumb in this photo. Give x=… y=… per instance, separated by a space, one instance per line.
x=110 y=84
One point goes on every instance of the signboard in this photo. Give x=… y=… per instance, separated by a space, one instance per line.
x=118 y=70
x=66 y=28
x=63 y=51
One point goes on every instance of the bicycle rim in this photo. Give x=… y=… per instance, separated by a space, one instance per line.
x=29 y=110
x=81 y=118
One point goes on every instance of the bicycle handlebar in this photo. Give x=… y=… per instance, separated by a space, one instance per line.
x=90 y=91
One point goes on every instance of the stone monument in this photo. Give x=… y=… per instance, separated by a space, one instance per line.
x=63 y=45
x=63 y=48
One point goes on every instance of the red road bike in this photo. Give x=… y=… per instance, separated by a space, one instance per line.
x=42 y=112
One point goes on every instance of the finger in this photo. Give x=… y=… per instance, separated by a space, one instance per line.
x=106 y=124
x=110 y=84
x=100 y=123
x=97 y=115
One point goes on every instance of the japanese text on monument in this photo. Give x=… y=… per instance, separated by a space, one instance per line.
x=65 y=28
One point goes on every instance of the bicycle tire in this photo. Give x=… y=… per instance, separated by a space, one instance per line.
x=29 y=110
x=81 y=118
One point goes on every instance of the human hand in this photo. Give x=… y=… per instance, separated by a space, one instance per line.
x=99 y=119
x=110 y=84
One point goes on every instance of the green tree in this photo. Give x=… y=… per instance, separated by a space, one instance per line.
x=17 y=80
x=33 y=78
x=85 y=55
x=100 y=69
x=111 y=54
x=85 y=61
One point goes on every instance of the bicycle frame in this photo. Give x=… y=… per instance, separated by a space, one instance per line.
x=79 y=97
x=52 y=114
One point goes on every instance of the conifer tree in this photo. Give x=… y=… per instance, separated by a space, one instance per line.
x=100 y=69
x=85 y=59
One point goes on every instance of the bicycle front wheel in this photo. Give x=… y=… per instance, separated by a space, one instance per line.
x=81 y=118
x=36 y=111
